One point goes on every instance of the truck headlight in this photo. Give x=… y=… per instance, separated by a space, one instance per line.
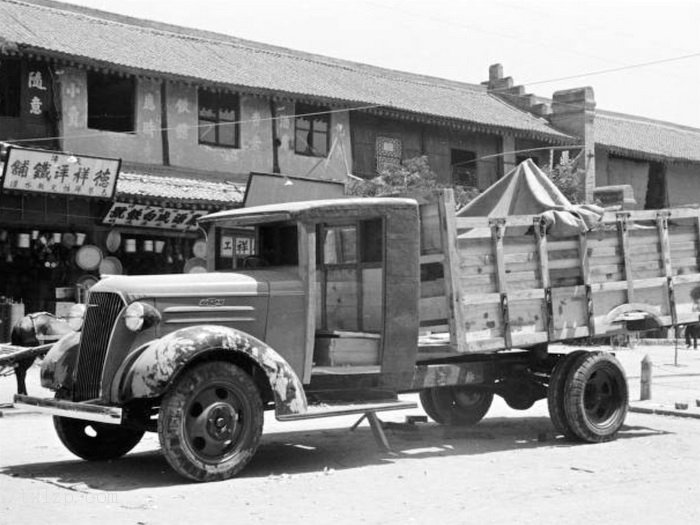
x=139 y=316
x=76 y=315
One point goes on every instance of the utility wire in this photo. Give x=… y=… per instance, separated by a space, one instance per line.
x=616 y=69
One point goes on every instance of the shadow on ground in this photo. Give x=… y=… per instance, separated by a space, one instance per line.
x=317 y=451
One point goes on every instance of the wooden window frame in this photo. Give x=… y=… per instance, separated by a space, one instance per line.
x=217 y=121
x=318 y=113
x=111 y=88
x=473 y=171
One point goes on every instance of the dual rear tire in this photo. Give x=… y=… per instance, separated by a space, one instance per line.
x=588 y=396
x=456 y=405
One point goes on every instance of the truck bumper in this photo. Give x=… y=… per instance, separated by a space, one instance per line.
x=71 y=409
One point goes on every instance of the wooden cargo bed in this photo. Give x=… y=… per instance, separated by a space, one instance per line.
x=491 y=284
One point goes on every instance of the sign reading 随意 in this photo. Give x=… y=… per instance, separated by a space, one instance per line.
x=60 y=173
x=142 y=215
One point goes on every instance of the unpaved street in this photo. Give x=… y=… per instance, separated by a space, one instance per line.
x=509 y=468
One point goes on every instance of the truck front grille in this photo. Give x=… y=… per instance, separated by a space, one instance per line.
x=102 y=311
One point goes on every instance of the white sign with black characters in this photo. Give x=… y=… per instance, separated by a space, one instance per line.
x=60 y=173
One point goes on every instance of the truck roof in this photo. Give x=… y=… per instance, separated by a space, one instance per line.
x=314 y=210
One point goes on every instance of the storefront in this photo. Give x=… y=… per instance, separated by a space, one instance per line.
x=67 y=220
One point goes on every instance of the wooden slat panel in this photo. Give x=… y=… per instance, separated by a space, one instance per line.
x=679 y=238
x=483 y=269
x=557 y=245
x=432 y=288
x=308 y=274
x=485 y=317
x=372 y=303
x=467 y=247
x=341 y=300
x=432 y=258
x=453 y=286
x=565 y=264
x=469 y=281
x=512 y=277
x=432 y=308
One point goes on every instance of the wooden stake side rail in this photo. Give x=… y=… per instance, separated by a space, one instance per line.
x=508 y=284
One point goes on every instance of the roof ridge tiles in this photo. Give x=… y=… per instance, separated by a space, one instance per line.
x=645 y=120
x=194 y=34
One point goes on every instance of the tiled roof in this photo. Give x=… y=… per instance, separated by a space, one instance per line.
x=651 y=139
x=141 y=46
x=143 y=186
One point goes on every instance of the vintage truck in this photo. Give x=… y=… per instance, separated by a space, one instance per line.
x=344 y=304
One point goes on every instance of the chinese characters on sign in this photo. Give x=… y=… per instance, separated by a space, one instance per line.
x=37 y=90
x=241 y=246
x=54 y=172
x=125 y=214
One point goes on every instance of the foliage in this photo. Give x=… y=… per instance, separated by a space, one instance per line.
x=567 y=178
x=412 y=177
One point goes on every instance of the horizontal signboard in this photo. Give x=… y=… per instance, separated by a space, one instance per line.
x=55 y=172
x=146 y=216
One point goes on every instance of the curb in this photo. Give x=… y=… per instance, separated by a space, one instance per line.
x=662 y=411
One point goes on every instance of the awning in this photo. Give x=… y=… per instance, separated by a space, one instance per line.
x=179 y=191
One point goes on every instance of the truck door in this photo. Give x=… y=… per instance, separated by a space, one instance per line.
x=367 y=278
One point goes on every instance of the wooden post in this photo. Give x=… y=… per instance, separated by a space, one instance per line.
x=498 y=229
x=645 y=391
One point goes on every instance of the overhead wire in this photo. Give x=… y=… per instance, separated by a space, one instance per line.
x=373 y=106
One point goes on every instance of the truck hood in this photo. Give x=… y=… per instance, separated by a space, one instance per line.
x=258 y=282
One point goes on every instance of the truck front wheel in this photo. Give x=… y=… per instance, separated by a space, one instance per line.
x=210 y=422
x=96 y=441
x=456 y=405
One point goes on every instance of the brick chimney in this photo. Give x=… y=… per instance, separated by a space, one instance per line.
x=573 y=112
x=504 y=88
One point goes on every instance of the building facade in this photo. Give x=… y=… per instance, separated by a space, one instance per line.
x=189 y=115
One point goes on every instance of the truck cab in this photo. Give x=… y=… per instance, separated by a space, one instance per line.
x=302 y=303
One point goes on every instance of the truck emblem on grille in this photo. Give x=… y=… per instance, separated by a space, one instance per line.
x=211 y=301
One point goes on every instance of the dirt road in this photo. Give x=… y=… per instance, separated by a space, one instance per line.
x=509 y=468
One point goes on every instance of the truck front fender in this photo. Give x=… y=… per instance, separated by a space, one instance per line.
x=59 y=362
x=159 y=363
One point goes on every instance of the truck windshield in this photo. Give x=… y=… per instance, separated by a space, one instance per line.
x=261 y=246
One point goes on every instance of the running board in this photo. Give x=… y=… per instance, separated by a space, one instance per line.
x=318 y=411
x=368 y=411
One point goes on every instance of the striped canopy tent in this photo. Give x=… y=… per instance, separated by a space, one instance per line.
x=526 y=190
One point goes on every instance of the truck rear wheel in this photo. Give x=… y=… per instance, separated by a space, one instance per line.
x=556 y=391
x=456 y=405
x=210 y=422
x=95 y=441
x=596 y=397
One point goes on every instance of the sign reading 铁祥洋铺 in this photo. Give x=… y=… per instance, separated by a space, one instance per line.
x=44 y=171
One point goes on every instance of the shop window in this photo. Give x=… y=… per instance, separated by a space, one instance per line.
x=312 y=130
x=111 y=102
x=464 y=171
x=218 y=118
x=10 y=81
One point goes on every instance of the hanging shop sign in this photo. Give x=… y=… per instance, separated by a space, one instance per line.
x=146 y=216
x=60 y=173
